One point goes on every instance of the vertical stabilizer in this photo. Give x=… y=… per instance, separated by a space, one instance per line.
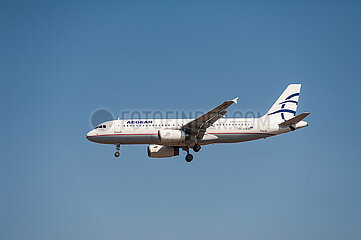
x=286 y=105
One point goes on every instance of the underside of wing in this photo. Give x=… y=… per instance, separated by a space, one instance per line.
x=200 y=124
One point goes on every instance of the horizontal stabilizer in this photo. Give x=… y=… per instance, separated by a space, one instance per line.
x=294 y=120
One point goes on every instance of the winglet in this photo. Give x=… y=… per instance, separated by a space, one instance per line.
x=235 y=100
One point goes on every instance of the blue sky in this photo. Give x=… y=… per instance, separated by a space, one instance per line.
x=62 y=60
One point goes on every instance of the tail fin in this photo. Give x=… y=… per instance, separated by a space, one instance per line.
x=286 y=105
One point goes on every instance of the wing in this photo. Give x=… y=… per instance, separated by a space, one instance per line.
x=199 y=125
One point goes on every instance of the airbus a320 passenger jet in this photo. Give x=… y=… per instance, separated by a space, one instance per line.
x=166 y=136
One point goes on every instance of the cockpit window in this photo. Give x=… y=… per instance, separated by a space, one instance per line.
x=101 y=126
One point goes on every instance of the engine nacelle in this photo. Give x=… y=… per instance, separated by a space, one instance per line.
x=159 y=151
x=171 y=136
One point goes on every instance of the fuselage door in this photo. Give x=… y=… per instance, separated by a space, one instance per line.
x=118 y=126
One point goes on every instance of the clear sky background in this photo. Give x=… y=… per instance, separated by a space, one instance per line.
x=62 y=60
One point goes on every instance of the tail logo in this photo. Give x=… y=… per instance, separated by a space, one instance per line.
x=283 y=109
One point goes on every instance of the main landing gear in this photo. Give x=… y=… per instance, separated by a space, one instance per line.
x=197 y=147
x=189 y=157
x=117 y=154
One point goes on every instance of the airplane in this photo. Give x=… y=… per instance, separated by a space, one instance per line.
x=166 y=136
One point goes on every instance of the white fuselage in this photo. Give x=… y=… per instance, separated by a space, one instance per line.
x=225 y=130
x=166 y=136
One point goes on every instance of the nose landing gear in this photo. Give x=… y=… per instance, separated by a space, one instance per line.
x=117 y=154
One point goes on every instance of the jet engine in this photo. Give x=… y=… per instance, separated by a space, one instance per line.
x=159 y=151
x=171 y=136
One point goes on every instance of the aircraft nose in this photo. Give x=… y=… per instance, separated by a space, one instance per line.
x=90 y=134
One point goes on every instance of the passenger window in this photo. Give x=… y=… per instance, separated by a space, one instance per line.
x=104 y=126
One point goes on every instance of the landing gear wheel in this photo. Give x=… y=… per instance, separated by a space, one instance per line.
x=189 y=157
x=197 y=147
x=117 y=146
